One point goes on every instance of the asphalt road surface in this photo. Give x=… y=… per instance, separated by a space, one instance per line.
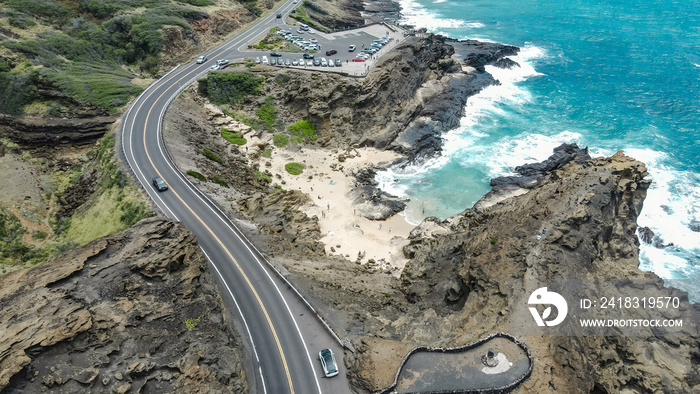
x=282 y=334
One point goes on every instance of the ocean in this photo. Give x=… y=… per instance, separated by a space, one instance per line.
x=610 y=75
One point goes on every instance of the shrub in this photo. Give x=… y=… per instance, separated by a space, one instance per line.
x=196 y=175
x=220 y=181
x=267 y=153
x=229 y=87
x=294 y=168
x=303 y=130
x=280 y=140
x=267 y=113
x=241 y=117
x=234 y=138
x=212 y=156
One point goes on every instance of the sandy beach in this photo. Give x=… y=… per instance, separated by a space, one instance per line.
x=328 y=183
x=346 y=233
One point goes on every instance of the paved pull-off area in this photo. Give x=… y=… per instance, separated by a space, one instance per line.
x=464 y=371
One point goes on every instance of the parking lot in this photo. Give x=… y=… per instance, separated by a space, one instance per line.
x=340 y=42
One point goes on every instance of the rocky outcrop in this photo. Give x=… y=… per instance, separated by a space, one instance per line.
x=413 y=94
x=284 y=228
x=479 y=54
x=132 y=312
x=464 y=275
x=202 y=34
x=46 y=132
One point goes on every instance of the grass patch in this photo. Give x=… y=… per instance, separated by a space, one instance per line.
x=112 y=211
x=267 y=153
x=196 y=175
x=220 y=181
x=234 y=138
x=299 y=14
x=212 y=156
x=261 y=176
x=191 y=324
x=280 y=140
x=294 y=168
x=267 y=113
x=303 y=131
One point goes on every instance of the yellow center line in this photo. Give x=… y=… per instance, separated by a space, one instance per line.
x=250 y=285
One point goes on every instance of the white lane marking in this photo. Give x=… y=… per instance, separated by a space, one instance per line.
x=262 y=379
x=226 y=223
x=245 y=323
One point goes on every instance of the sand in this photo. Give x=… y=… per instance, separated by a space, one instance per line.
x=345 y=233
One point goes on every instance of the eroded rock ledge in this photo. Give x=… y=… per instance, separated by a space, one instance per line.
x=132 y=312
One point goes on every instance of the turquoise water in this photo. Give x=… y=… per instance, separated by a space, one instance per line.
x=608 y=75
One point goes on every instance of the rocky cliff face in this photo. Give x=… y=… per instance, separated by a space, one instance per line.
x=413 y=94
x=181 y=43
x=462 y=272
x=42 y=132
x=132 y=312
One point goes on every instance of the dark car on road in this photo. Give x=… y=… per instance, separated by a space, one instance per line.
x=308 y=56
x=160 y=184
x=330 y=368
x=331 y=52
x=275 y=54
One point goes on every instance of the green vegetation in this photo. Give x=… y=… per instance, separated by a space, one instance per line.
x=267 y=113
x=115 y=205
x=229 y=87
x=261 y=176
x=267 y=153
x=234 y=138
x=191 y=324
x=86 y=50
x=212 y=156
x=281 y=79
x=493 y=241
x=13 y=250
x=196 y=175
x=294 y=168
x=280 y=140
x=241 y=117
x=387 y=295
x=220 y=181
x=303 y=131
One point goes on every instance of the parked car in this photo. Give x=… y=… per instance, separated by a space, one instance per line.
x=273 y=61
x=317 y=62
x=201 y=59
x=264 y=60
x=338 y=63
x=330 y=63
x=257 y=60
x=287 y=62
x=160 y=184
x=313 y=41
x=324 y=62
x=352 y=48
x=295 y=62
x=301 y=61
x=275 y=54
x=358 y=59
x=309 y=62
x=308 y=56
x=330 y=367
x=331 y=52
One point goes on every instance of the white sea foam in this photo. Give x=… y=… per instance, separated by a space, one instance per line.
x=415 y=14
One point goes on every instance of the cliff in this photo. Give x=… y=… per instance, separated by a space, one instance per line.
x=133 y=312
x=464 y=270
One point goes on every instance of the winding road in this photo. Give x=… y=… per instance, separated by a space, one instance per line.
x=282 y=334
